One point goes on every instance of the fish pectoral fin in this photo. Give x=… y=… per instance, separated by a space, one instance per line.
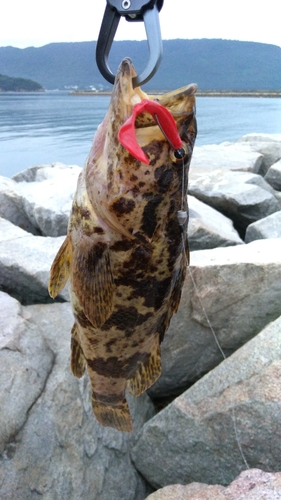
x=77 y=361
x=117 y=416
x=147 y=373
x=92 y=280
x=60 y=269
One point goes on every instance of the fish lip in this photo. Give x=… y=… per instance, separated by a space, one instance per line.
x=126 y=69
x=123 y=85
x=124 y=96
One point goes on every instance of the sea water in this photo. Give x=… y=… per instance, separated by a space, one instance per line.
x=43 y=128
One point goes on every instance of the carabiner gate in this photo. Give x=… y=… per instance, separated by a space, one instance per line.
x=133 y=10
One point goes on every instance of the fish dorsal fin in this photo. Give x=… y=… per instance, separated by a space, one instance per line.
x=92 y=280
x=147 y=373
x=78 y=361
x=60 y=269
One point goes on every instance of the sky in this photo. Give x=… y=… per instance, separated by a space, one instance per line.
x=25 y=23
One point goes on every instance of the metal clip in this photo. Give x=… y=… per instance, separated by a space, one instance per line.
x=133 y=10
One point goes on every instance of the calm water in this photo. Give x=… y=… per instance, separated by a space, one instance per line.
x=43 y=128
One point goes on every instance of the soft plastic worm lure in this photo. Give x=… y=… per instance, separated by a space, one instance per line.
x=161 y=115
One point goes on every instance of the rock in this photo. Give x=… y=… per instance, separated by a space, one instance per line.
x=47 y=203
x=269 y=145
x=25 y=364
x=230 y=156
x=194 y=438
x=25 y=262
x=207 y=228
x=239 y=288
x=60 y=451
x=243 y=197
x=269 y=227
x=42 y=172
x=186 y=492
x=254 y=483
x=11 y=205
x=273 y=175
x=39 y=199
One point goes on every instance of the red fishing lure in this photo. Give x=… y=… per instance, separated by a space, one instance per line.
x=162 y=116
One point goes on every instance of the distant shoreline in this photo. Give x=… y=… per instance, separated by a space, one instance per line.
x=199 y=93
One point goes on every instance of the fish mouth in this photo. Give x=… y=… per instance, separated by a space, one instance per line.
x=124 y=96
x=179 y=102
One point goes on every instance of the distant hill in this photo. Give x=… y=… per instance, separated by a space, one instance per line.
x=212 y=64
x=9 y=84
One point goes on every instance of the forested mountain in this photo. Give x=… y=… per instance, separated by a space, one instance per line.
x=212 y=64
x=8 y=84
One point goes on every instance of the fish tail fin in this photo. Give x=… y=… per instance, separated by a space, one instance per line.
x=60 y=269
x=77 y=361
x=147 y=373
x=117 y=416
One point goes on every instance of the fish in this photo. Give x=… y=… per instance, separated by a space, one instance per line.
x=126 y=250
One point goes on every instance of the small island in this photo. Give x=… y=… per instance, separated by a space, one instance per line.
x=11 y=84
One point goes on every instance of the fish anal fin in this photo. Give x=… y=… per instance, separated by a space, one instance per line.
x=92 y=280
x=77 y=361
x=117 y=416
x=60 y=269
x=147 y=373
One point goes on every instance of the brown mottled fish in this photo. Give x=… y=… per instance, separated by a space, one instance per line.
x=124 y=253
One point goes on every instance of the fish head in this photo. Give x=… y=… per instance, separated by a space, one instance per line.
x=118 y=181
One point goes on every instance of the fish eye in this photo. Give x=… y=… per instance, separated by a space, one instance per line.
x=179 y=155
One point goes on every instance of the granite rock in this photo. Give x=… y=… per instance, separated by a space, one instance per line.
x=39 y=199
x=25 y=362
x=208 y=228
x=25 y=262
x=243 y=197
x=269 y=227
x=227 y=155
x=269 y=145
x=253 y=484
x=52 y=446
x=47 y=202
x=273 y=175
x=42 y=172
x=11 y=207
x=237 y=405
x=239 y=289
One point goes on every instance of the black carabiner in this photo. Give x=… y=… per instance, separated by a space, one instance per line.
x=133 y=10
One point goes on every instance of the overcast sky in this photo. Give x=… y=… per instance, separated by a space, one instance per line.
x=25 y=23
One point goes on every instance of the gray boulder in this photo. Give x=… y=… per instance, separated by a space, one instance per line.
x=269 y=145
x=47 y=202
x=54 y=448
x=207 y=228
x=243 y=197
x=40 y=173
x=239 y=289
x=11 y=207
x=237 y=405
x=25 y=364
x=273 y=175
x=269 y=227
x=230 y=156
x=25 y=262
x=39 y=199
x=253 y=484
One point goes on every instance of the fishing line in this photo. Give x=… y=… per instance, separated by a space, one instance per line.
x=179 y=215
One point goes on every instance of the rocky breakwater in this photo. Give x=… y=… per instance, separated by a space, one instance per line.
x=207 y=403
